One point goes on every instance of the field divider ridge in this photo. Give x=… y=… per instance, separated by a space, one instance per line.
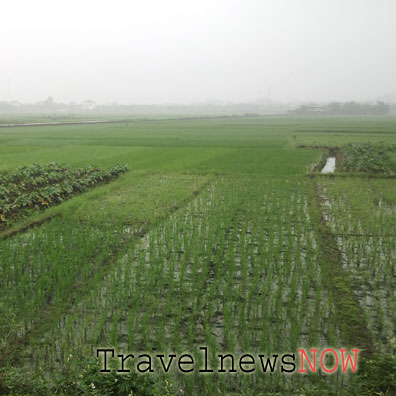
x=350 y=316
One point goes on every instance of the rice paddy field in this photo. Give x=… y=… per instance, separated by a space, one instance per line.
x=164 y=236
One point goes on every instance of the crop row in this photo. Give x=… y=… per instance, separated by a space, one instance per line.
x=29 y=172
x=17 y=197
x=28 y=178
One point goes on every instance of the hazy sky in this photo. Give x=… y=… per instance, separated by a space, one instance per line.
x=182 y=51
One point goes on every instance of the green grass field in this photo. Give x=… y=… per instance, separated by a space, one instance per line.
x=219 y=235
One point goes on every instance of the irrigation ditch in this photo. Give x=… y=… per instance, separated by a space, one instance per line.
x=328 y=152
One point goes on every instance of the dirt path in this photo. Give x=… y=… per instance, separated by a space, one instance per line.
x=57 y=123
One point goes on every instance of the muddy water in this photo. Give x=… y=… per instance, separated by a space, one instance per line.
x=330 y=165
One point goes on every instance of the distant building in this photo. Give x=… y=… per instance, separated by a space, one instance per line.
x=316 y=109
x=310 y=109
x=88 y=105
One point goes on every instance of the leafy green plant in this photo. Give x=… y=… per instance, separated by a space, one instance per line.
x=367 y=157
x=377 y=375
x=90 y=381
x=37 y=187
x=85 y=380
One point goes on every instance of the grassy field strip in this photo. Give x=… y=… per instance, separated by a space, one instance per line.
x=32 y=221
x=139 y=158
x=269 y=162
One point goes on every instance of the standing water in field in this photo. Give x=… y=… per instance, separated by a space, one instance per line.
x=330 y=165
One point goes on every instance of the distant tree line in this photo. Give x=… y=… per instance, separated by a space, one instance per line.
x=50 y=106
x=344 y=108
x=45 y=106
x=246 y=109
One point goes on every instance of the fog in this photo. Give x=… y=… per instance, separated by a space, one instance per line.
x=184 y=51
